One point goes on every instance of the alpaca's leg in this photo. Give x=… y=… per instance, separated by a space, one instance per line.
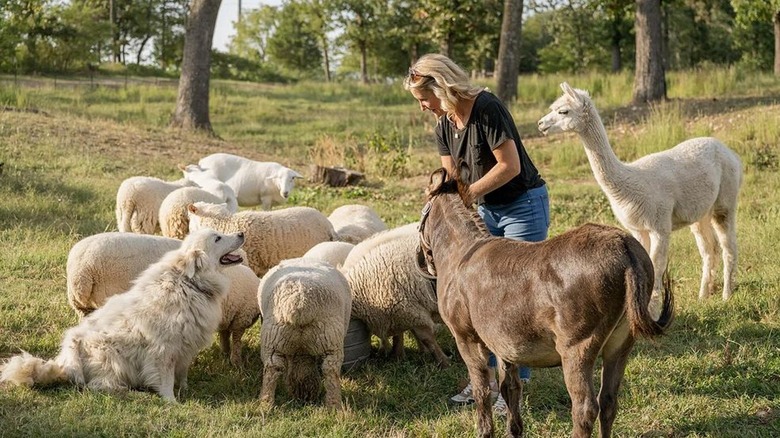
x=708 y=249
x=726 y=230
x=643 y=237
x=659 y=248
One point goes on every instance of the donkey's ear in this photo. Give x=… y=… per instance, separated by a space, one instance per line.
x=437 y=179
x=464 y=172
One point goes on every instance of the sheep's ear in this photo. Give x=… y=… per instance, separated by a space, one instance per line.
x=192 y=208
x=181 y=167
x=296 y=174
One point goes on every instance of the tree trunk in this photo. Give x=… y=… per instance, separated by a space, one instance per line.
x=617 y=38
x=509 y=50
x=776 y=21
x=192 y=105
x=364 y=62
x=649 y=80
x=140 y=52
x=325 y=57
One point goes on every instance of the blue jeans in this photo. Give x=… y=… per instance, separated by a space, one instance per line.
x=528 y=219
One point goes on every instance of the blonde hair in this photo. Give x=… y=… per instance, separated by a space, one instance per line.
x=446 y=79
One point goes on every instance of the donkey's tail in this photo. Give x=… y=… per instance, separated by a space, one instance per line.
x=639 y=299
x=28 y=370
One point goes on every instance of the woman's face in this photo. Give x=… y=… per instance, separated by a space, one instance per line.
x=428 y=101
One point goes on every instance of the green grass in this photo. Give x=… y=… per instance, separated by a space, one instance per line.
x=716 y=373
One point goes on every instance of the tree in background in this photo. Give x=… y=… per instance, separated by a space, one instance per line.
x=753 y=30
x=649 y=78
x=253 y=33
x=708 y=23
x=192 y=104
x=320 y=20
x=294 y=45
x=360 y=21
x=509 y=50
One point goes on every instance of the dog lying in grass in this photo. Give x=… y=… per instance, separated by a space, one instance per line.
x=147 y=337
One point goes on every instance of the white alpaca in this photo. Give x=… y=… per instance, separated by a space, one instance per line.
x=695 y=183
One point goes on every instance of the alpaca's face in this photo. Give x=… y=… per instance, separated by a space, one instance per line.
x=565 y=113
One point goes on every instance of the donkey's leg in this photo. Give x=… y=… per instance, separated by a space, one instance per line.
x=708 y=249
x=614 y=359
x=726 y=230
x=512 y=391
x=475 y=356
x=427 y=338
x=578 y=374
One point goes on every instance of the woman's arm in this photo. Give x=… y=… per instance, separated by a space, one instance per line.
x=506 y=168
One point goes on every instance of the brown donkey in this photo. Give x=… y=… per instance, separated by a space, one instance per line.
x=564 y=301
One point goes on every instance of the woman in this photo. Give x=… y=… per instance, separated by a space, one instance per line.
x=475 y=126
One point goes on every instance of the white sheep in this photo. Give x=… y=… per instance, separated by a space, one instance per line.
x=270 y=236
x=306 y=310
x=389 y=294
x=174 y=216
x=211 y=184
x=695 y=183
x=106 y=264
x=254 y=182
x=330 y=252
x=138 y=202
x=355 y=223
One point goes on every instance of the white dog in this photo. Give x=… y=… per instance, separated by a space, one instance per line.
x=147 y=337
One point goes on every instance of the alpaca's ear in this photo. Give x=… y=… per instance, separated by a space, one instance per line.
x=569 y=91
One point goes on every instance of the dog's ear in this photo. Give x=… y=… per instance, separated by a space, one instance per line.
x=193 y=261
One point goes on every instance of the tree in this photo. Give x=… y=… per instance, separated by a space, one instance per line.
x=192 y=104
x=649 y=78
x=253 y=32
x=752 y=18
x=293 y=45
x=360 y=20
x=509 y=50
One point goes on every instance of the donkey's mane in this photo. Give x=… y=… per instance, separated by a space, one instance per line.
x=470 y=215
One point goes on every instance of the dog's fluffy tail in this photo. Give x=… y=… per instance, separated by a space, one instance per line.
x=28 y=370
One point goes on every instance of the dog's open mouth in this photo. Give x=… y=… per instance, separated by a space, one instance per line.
x=230 y=259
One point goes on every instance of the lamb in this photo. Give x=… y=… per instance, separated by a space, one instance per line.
x=138 y=202
x=106 y=264
x=254 y=182
x=271 y=236
x=174 y=214
x=330 y=252
x=355 y=223
x=211 y=184
x=388 y=293
x=695 y=183
x=306 y=310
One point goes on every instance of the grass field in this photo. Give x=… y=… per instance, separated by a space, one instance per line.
x=66 y=147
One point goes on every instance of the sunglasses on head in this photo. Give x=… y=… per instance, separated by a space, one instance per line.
x=414 y=76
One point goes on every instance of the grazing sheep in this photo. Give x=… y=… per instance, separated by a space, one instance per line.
x=106 y=264
x=271 y=236
x=254 y=182
x=306 y=309
x=211 y=184
x=389 y=294
x=138 y=202
x=174 y=215
x=695 y=183
x=355 y=223
x=331 y=252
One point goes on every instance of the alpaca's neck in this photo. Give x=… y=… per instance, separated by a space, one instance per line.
x=610 y=172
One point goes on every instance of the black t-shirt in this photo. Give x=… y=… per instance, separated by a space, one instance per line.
x=489 y=125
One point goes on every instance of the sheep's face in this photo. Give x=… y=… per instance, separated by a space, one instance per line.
x=567 y=113
x=285 y=180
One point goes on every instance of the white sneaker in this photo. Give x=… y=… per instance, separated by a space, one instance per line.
x=500 y=407
x=466 y=397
